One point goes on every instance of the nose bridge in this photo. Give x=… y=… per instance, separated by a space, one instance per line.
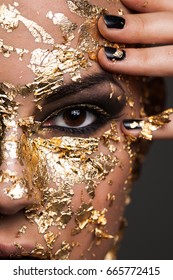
x=13 y=183
x=10 y=145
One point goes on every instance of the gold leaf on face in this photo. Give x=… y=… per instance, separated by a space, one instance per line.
x=10 y=18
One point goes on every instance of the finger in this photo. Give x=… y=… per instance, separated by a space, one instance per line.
x=153 y=128
x=156 y=61
x=152 y=28
x=149 y=5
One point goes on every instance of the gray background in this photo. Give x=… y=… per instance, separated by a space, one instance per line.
x=149 y=235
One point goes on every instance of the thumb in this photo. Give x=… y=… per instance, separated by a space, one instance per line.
x=154 y=127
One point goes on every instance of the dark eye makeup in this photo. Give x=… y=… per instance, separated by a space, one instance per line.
x=83 y=112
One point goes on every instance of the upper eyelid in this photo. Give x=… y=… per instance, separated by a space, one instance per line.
x=96 y=96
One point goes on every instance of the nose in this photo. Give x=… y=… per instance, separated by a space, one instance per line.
x=16 y=190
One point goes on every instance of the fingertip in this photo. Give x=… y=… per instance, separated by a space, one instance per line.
x=131 y=127
x=109 y=59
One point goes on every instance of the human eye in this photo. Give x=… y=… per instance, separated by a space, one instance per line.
x=78 y=119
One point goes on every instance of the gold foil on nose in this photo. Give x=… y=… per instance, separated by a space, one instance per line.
x=18 y=189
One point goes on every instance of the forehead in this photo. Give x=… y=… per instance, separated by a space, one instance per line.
x=30 y=30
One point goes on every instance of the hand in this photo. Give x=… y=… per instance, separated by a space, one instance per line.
x=154 y=127
x=152 y=27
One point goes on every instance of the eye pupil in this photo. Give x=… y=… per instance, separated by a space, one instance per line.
x=74 y=117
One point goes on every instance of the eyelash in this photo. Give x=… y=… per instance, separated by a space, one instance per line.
x=101 y=118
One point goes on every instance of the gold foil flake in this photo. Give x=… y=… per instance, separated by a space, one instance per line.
x=17 y=190
x=86 y=215
x=8 y=50
x=38 y=252
x=118 y=54
x=28 y=125
x=153 y=123
x=84 y=8
x=64 y=252
x=82 y=217
x=18 y=246
x=103 y=235
x=22 y=230
x=50 y=239
x=10 y=18
x=110 y=137
x=145 y=4
x=7 y=95
x=66 y=26
x=98 y=217
x=111 y=198
x=16 y=4
x=120 y=12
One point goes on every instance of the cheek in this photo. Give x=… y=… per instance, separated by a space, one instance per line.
x=82 y=181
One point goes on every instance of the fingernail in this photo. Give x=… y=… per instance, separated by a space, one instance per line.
x=114 y=53
x=132 y=124
x=114 y=21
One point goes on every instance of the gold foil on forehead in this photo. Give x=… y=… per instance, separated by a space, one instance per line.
x=10 y=18
x=84 y=8
x=153 y=123
x=67 y=27
x=51 y=66
x=8 y=50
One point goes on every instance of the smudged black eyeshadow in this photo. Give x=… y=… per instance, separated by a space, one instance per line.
x=99 y=90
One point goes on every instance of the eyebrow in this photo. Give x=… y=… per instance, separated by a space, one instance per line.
x=84 y=83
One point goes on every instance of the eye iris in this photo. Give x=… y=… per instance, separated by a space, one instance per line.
x=74 y=117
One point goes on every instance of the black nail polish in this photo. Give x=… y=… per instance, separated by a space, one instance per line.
x=114 y=53
x=114 y=21
x=132 y=124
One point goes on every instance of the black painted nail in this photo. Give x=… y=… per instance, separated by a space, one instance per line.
x=132 y=124
x=114 y=21
x=114 y=53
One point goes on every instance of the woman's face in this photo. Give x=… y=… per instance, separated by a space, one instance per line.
x=65 y=163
